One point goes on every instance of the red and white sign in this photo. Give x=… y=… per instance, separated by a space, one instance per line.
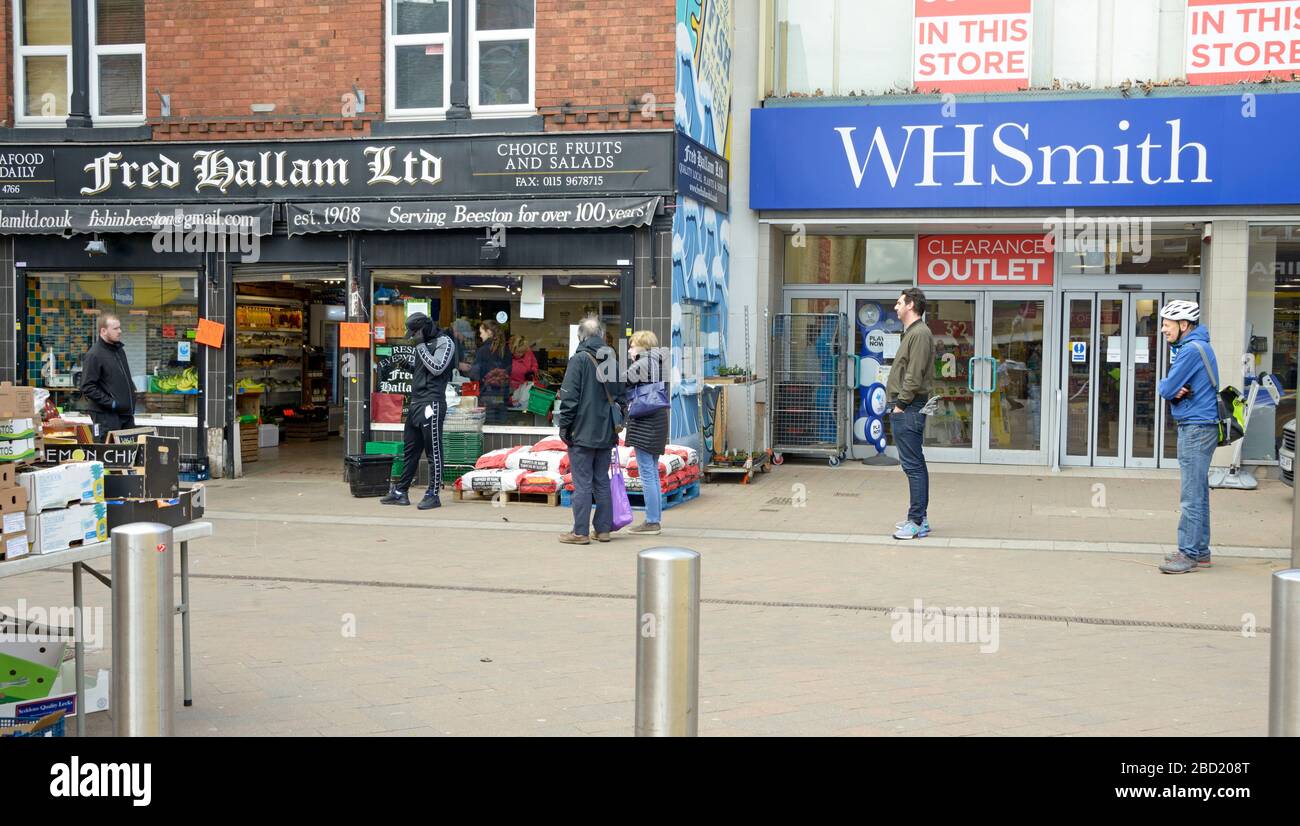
x=972 y=45
x=1234 y=40
x=984 y=261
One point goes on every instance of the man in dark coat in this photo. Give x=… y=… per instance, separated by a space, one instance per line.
x=106 y=382
x=588 y=396
x=430 y=370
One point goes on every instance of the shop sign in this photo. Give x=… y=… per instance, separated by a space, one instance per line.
x=984 y=261
x=1235 y=41
x=972 y=45
x=58 y=219
x=702 y=174
x=1078 y=352
x=1053 y=154
x=304 y=170
x=542 y=213
x=394 y=370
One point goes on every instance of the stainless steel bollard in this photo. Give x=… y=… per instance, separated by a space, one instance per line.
x=1284 y=657
x=667 y=642
x=144 y=607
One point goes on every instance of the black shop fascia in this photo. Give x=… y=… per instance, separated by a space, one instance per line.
x=162 y=232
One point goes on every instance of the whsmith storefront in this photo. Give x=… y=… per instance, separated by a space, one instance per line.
x=529 y=232
x=1047 y=235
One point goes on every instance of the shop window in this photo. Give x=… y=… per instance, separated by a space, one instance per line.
x=849 y=259
x=538 y=347
x=1273 y=317
x=842 y=47
x=159 y=313
x=419 y=45
x=501 y=57
x=43 y=70
x=1136 y=252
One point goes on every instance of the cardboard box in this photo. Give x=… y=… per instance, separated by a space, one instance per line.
x=17 y=402
x=18 y=429
x=131 y=435
x=63 y=696
x=149 y=469
x=8 y=476
x=111 y=456
x=14 y=450
x=13 y=523
x=174 y=512
x=54 y=531
x=57 y=486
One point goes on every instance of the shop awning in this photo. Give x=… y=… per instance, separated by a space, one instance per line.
x=57 y=219
x=541 y=213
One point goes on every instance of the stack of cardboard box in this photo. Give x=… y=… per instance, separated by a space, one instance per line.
x=19 y=440
x=142 y=483
x=65 y=506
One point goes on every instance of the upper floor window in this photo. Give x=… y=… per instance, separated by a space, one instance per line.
x=423 y=45
x=419 y=45
x=501 y=56
x=43 y=76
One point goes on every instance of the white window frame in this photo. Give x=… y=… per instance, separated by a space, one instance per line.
x=476 y=37
x=22 y=51
x=392 y=41
x=95 y=52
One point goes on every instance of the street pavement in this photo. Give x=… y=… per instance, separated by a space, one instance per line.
x=319 y=614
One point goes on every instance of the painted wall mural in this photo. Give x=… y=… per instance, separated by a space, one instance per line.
x=701 y=234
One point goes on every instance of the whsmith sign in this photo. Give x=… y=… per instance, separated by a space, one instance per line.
x=449 y=167
x=1195 y=151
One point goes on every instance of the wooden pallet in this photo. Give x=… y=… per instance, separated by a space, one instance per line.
x=637 y=499
x=513 y=497
x=745 y=474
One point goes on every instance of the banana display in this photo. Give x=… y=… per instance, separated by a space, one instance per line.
x=249 y=386
x=178 y=382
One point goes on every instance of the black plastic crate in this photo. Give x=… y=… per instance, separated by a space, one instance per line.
x=369 y=475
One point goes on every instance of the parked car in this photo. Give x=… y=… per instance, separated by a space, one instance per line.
x=1286 y=453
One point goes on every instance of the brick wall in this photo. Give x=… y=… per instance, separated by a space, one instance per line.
x=597 y=61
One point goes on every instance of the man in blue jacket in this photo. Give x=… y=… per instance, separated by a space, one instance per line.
x=1191 y=387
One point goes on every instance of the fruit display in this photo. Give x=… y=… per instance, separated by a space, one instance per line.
x=255 y=317
x=249 y=386
x=186 y=381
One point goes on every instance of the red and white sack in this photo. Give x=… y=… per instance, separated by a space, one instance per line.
x=556 y=461
x=549 y=443
x=689 y=454
x=669 y=464
x=492 y=480
x=540 y=482
x=495 y=459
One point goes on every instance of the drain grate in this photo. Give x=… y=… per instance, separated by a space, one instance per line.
x=781 y=500
x=849 y=495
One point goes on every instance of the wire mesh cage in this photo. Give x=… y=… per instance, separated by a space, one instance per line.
x=809 y=393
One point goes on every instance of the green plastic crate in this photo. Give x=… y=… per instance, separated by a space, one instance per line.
x=383 y=448
x=450 y=473
x=540 y=402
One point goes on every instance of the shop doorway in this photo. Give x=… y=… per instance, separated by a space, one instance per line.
x=1111 y=414
x=990 y=363
x=289 y=385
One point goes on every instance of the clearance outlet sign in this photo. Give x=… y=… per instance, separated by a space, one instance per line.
x=972 y=45
x=984 y=261
x=1231 y=40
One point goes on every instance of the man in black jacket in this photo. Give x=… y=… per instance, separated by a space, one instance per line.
x=431 y=368
x=588 y=395
x=106 y=383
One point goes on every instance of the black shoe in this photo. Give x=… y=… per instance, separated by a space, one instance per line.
x=395 y=497
x=430 y=501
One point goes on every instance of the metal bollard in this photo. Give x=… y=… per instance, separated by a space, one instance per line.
x=144 y=607
x=667 y=642
x=1284 y=657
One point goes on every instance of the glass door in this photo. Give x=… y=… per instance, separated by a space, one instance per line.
x=1014 y=335
x=1142 y=363
x=961 y=369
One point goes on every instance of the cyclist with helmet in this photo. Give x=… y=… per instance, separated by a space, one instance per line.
x=1191 y=393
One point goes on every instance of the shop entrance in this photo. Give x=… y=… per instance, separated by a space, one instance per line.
x=990 y=362
x=289 y=388
x=1112 y=415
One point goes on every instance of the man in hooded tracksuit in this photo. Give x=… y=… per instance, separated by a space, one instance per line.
x=431 y=367
x=1191 y=388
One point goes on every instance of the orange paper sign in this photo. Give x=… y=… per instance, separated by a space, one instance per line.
x=211 y=333
x=354 y=334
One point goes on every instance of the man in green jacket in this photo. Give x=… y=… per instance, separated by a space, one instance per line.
x=911 y=378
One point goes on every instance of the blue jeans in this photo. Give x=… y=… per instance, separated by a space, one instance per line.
x=909 y=436
x=647 y=466
x=1196 y=444
x=590 y=467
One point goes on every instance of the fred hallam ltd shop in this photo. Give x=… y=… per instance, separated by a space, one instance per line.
x=284 y=243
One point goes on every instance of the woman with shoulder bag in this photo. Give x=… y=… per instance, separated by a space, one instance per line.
x=647 y=423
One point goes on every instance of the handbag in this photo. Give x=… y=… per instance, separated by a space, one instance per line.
x=616 y=415
x=1226 y=401
x=622 y=508
x=647 y=398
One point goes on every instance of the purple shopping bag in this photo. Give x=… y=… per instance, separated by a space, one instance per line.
x=622 y=510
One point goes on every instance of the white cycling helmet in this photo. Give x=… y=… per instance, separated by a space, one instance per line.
x=1181 y=311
